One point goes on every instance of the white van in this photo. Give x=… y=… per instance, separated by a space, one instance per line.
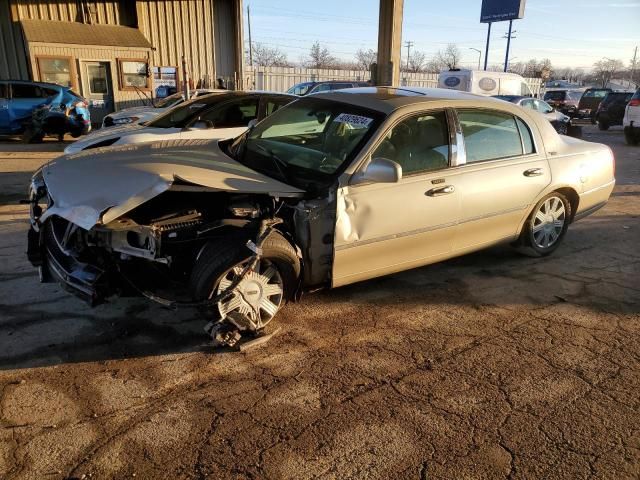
x=484 y=83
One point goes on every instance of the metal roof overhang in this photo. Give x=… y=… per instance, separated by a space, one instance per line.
x=51 y=31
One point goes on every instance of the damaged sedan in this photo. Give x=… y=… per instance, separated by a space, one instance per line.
x=333 y=189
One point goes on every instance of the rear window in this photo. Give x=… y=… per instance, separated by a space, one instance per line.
x=595 y=93
x=557 y=95
x=575 y=95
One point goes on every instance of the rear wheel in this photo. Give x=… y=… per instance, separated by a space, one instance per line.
x=630 y=138
x=260 y=293
x=602 y=125
x=546 y=226
x=31 y=135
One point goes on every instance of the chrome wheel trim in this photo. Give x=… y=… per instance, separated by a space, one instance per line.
x=548 y=222
x=258 y=296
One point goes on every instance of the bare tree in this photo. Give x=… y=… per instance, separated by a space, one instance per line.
x=364 y=58
x=605 y=69
x=264 y=56
x=518 y=68
x=417 y=61
x=450 y=56
x=319 y=57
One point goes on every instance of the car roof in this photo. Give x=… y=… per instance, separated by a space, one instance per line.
x=39 y=84
x=510 y=98
x=388 y=99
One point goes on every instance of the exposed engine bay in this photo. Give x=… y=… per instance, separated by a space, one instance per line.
x=155 y=248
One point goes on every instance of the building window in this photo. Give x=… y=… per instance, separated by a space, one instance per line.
x=133 y=74
x=57 y=70
x=165 y=81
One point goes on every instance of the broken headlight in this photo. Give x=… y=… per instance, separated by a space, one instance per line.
x=39 y=199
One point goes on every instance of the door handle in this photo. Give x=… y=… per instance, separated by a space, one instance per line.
x=436 y=192
x=533 y=172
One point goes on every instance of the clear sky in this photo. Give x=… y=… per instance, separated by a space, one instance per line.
x=571 y=33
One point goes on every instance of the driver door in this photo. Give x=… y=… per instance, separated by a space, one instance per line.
x=383 y=228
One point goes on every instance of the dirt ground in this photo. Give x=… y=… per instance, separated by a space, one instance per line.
x=488 y=366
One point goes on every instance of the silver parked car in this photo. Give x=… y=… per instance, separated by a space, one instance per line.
x=330 y=190
x=560 y=121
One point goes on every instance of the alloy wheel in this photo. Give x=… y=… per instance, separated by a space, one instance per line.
x=548 y=222
x=256 y=299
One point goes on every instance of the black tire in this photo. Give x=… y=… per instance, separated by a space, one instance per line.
x=630 y=138
x=218 y=257
x=574 y=131
x=32 y=136
x=527 y=243
x=602 y=125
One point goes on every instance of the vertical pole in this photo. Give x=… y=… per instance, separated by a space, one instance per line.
x=633 y=65
x=506 y=57
x=479 y=59
x=389 y=42
x=486 y=52
x=250 y=44
x=185 y=78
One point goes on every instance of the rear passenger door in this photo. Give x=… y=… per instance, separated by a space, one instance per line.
x=504 y=173
x=25 y=98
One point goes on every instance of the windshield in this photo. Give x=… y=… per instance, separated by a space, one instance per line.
x=170 y=101
x=308 y=142
x=301 y=88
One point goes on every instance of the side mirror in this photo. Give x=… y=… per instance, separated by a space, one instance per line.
x=379 y=170
x=252 y=123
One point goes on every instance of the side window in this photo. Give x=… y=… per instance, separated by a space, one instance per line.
x=419 y=143
x=274 y=104
x=23 y=90
x=528 y=104
x=323 y=87
x=237 y=113
x=338 y=86
x=489 y=135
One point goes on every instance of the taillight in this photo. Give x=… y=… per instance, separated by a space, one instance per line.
x=635 y=102
x=613 y=161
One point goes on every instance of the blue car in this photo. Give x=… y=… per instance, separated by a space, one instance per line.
x=35 y=109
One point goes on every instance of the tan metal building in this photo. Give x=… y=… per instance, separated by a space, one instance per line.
x=117 y=53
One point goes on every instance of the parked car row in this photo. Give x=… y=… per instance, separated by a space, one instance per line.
x=327 y=190
x=36 y=109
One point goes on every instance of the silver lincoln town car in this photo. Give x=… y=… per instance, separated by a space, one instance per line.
x=333 y=189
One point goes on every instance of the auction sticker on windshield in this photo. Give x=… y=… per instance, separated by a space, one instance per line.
x=197 y=106
x=355 y=120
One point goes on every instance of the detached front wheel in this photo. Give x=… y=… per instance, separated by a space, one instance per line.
x=258 y=296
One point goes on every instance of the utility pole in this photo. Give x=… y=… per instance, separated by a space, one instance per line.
x=508 y=37
x=250 y=44
x=486 y=53
x=479 y=55
x=633 y=65
x=408 y=45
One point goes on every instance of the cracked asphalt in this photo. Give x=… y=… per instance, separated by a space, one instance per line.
x=492 y=365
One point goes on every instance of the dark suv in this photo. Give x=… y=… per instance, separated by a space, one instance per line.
x=611 y=110
x=590 y=101
x=306 y=88
x=565 y=101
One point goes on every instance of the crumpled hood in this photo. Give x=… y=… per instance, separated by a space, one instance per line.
x=98 y=186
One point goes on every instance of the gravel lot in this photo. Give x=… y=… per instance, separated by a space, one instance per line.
x=488 y=366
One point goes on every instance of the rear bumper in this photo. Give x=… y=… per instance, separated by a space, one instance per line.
x=594 y=200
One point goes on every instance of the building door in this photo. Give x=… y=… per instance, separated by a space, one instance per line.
x=97 y=89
